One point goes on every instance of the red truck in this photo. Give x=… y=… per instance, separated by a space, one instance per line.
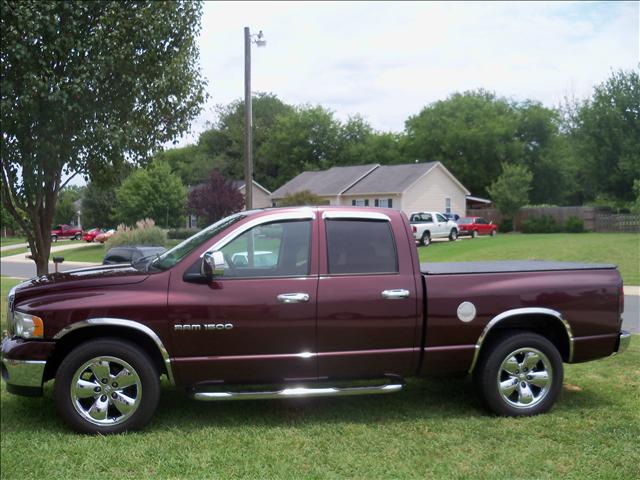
x=295 y=302
x=65 y=231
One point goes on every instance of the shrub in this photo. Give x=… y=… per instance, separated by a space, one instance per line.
x=144 y=233
x=542 y=224
x=574 y=225
x=181 y=233
x=506 y=225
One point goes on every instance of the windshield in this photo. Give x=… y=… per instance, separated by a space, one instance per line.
x=465 y=221
x=169 y=258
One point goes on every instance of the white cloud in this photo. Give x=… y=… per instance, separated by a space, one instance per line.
x=386 y=60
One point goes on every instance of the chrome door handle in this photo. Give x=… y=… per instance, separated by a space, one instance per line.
x=293 y=297
x=395 y=294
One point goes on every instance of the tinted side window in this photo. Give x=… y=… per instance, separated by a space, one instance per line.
x=440 y=218
x=270 y=250
x=360 y=246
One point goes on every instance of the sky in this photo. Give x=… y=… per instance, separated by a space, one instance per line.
x=387 y=60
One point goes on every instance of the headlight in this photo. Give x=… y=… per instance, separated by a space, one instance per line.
x=26 y=326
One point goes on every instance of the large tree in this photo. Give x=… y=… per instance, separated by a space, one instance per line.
x=474 y=133
x=87 y=86
x=606 y=138
x=154 y=192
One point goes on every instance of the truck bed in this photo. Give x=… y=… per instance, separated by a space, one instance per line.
x=505 y=266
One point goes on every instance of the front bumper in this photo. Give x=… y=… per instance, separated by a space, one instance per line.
x=623 y=341
x=24 y=374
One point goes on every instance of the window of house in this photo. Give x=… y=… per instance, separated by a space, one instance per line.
x=360 y=202
x=384 y=202
x=360 y=246
x=277 y=249
x=447 y=205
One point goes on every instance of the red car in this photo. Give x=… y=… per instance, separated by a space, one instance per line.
x=65 y=231
x=90 y=236
x=474 y=226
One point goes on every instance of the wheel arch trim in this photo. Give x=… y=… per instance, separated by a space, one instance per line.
x=518 y=312
x=119 y=322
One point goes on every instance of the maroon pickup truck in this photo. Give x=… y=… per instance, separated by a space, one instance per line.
x=294 y=302
x=65 y=231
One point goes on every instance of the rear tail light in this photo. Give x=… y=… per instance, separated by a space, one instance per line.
x=621 y=299
x=414 y=229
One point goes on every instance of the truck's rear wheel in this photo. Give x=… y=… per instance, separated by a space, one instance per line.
x=426 y=239
x=54 y=238
x=453 y=235
x=474 y=233
x=521 y=375
x=107 y=386
x=77 y=236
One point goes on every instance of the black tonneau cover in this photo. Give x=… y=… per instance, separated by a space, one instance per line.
x=454 y=268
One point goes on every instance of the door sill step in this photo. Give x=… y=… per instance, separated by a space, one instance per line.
x=300 y=392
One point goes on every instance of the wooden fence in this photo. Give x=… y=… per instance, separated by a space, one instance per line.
x=594 y=220
x=607 y=222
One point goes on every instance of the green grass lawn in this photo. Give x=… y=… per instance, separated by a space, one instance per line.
x=436 y=428
x=6 y=241
x=13 y=251
x=91 y=253
x=622 y=249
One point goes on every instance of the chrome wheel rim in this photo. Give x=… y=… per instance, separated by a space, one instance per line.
x=524 y=378
x=106 y=390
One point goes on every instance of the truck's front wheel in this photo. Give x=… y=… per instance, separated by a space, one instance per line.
x=521 y=375
x=107 y=386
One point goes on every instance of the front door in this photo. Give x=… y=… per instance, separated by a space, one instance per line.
x=367 y=301
x=256 y=322
x=441 y=225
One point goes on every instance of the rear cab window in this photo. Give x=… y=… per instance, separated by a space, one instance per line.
x=356 y=246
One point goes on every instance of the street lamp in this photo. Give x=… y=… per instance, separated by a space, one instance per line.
x=248 y=114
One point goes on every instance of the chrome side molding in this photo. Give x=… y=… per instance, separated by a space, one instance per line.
x=119 y=322
x=301 y=392
x=519 y=312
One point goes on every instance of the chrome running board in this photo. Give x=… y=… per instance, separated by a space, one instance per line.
x=301 y=392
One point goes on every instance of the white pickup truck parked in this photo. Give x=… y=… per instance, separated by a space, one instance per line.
x=428 y=225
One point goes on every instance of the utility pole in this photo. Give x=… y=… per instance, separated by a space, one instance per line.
x=248 y=114
x=248 y=123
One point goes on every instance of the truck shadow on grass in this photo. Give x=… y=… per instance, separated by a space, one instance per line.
x=422 y=399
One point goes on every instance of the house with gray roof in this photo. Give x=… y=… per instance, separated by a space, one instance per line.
x=410 y=187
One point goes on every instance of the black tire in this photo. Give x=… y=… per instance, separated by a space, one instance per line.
x=474 y=233
x=54 y=238
x=489 y=374
x=493 y=233
x=426 y=239
x=453 y=235
x=77 y=237
x=146 y=389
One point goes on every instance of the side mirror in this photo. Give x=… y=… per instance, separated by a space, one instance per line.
x=491 y=222
x=212 y=265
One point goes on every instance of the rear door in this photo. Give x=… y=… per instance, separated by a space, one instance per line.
x=367 y=301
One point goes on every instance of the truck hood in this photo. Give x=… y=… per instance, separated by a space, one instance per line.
x=90 y=277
